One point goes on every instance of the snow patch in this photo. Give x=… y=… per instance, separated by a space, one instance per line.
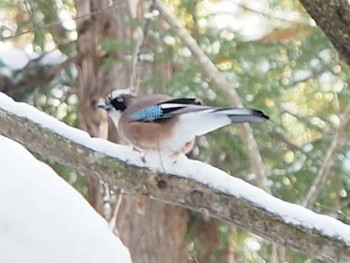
x=53 y=58
x=14 y=58
x=43 y=219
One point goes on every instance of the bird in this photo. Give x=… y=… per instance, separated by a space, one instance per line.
x=159 y=122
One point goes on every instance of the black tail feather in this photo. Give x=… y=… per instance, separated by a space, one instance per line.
x=244 y=115
x=188 y=101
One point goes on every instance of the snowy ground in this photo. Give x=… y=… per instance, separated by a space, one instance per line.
x=43 y=219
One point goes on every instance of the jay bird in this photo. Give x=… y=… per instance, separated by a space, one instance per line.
x=161 y=123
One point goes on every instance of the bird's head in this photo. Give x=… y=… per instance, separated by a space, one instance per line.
x=116 y=102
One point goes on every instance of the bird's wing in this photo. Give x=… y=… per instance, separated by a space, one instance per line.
x=165 y=110
x=195 y=119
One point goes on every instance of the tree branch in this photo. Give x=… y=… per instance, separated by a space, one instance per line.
x=277 y=136
x=188 y=183
x=219 y=80
x=333 y=17
x=34 y=74
x=327 y=163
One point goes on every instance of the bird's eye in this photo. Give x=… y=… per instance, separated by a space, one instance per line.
x=118 y=103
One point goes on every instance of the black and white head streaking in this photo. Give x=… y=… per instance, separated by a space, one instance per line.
x=116 y=102
x=161 y=123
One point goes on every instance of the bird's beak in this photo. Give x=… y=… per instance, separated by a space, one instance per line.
x=104 y=106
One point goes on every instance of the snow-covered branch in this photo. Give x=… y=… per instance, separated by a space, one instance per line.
x=29 y=72
x=186 y=183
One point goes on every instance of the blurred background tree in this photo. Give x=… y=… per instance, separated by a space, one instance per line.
x=63 y=55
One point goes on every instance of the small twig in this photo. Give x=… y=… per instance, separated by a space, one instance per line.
x=327 y=163
x=262 y=13
x=279 y=137
x=134 y=75
x=113 y=220
x=140 y=36
x=218 y=79
x=27 y=7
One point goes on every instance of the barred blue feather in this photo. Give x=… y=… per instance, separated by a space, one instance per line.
x=148 y=114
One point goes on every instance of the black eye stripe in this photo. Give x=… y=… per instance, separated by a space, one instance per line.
x=118 y=103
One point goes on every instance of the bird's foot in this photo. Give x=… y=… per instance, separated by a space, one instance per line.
x=143 y=157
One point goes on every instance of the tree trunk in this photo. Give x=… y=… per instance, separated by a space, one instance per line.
x=153 y=232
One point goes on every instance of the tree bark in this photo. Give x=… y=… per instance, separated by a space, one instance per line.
x=333 y=17
x=56 y=141
x=153 y=231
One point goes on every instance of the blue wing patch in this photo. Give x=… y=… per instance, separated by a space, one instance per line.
x=148 y=114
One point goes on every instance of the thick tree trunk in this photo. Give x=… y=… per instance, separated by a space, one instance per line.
x=153 y=232
x=92 y=80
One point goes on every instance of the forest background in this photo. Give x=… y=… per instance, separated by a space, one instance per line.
x=62 y=56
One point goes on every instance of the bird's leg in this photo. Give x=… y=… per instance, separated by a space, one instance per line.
x=142 y=153
x=143 y=157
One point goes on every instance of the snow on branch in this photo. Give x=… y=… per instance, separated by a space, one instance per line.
x=186 y=183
